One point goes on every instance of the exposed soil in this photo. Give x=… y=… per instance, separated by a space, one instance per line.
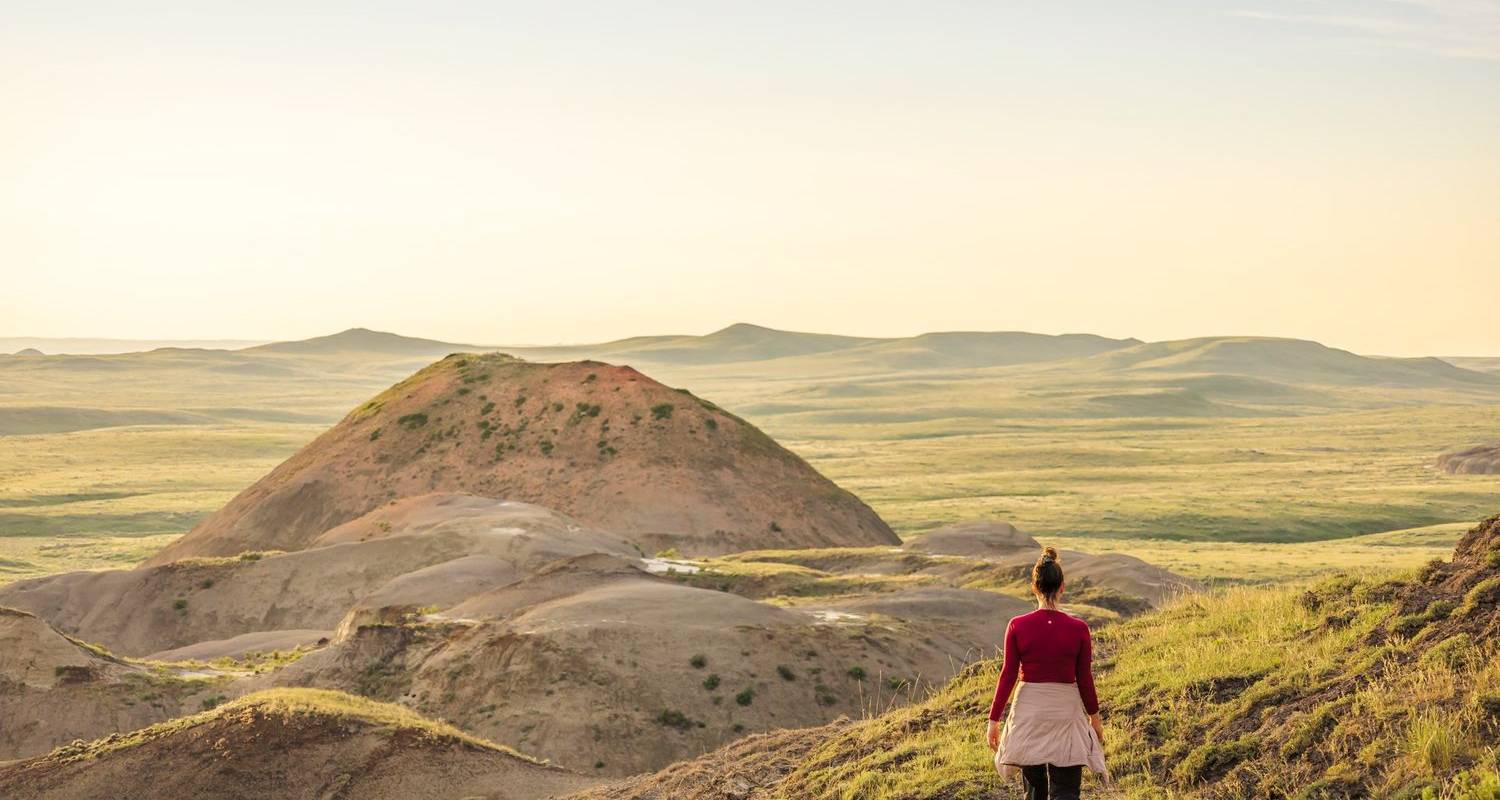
x=601 y=443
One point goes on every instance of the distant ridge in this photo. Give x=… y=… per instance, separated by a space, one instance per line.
x=364 y=340
x=1288 y=360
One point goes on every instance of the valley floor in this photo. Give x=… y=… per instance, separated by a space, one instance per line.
x=1221 y=500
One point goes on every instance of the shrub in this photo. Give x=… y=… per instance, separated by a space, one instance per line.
x=375 y=434
x=1452 y=652
x=661 y=411
x=857 y=673
x=412 y=421
x=1486 y=592
x=674 y=719
x=712 y=423
x=775 y=528
x=699 y=661
x=546 y=447
x=825 y=695
x=1435 y=740
x=711 y=682
x=897 y=684
x=745 y=697
x=206 y=583
x=786 y=672
x=180 y=604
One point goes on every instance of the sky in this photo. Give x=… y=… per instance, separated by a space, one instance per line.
x=530 y=173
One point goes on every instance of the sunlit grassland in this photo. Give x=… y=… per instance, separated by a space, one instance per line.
x=111 y=497
x=1279 y=479
x=1217 y=498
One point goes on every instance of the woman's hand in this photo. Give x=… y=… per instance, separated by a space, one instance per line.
x=1098 y=725
x=992 y=735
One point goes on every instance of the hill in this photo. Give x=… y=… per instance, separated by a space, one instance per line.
x=290 y=744
x=363 y=340
x=1481 y=459
x=601 y=443
x=1294 y=361
x=1357 y=687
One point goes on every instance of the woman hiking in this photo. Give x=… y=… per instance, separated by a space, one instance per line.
x=1053 y=730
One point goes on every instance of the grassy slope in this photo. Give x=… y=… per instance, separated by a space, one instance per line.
x=1245 y=692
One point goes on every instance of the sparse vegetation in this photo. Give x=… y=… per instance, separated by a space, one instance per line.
x=746 y=696
x=661 y=411
x=711 y=682
x=674 y=719
x=786 y=672
x=412 y=421
x=698 y=661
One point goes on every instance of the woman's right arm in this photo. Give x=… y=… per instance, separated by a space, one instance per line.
x=1009 y=670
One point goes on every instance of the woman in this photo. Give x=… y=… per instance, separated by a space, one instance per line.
x=1047 y=732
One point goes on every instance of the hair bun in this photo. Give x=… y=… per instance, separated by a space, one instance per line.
x=1049 y=554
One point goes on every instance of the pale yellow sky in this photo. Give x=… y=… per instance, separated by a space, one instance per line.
x=519 y=174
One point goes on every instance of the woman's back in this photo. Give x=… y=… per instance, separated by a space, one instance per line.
x=1046 y=646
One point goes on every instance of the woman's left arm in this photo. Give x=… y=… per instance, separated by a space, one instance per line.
x=1085 y=672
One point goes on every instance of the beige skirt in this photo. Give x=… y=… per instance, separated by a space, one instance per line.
x=1047 y=725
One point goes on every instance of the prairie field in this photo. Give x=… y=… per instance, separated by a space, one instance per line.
x=1236 y=500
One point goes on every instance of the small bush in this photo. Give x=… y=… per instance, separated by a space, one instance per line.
x=1452 y=652
x=698 y=661
x=825 y=695
x=857 y=673
x=712 y=423
x=897 y=684
x=674 y=719
x=546 y=447
x=206 y=583
x=711 y=682
x=661 y=411
x=1486 y=592
x=745 y=697
x=775 y=527
x=375 y=434
x=412 y=421
x=786 y=672
x=180 y=604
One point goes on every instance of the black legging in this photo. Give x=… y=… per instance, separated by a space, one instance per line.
x=1046 y=782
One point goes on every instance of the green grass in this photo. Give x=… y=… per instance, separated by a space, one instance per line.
x=1206 y=699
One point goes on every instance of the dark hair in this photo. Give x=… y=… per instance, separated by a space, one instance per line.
x=1047 y=575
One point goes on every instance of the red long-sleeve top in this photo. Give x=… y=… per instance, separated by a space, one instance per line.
x=1047 y=646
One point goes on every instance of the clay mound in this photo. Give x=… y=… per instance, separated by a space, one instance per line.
x=601 y=443
x=975 y=540
x=1481 y=459
x=749 y=769
x=54 y=689
x=288 y=744
x=967 y=617
x=34 y=654
x=594 y=661
x=434 y=550
x=1128 y=575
